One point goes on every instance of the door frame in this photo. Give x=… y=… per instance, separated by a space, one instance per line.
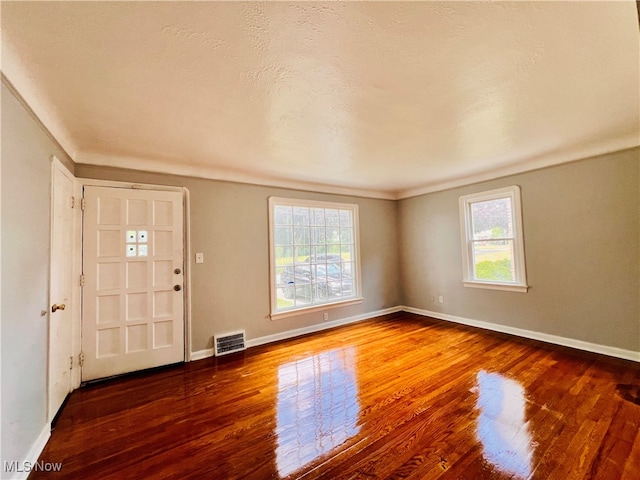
x=186 y=219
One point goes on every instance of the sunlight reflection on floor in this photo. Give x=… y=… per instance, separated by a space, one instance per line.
x=502 y=427
x=317 y=407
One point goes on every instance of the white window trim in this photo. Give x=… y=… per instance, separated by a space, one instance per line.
x=357 y=278
x=295 y=312
x=465 y=201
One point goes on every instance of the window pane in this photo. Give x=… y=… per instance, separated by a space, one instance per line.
x=493 y=260
x=317 y=216
x=300 y=216
x=281 y=276
x=285 y=298
x=348 y=270
x=492 y=219
x=333 y=258
x=320 y=274
x=346 y=235
x=284 y=235
x=286 y=286
x=347 y=286
x=303 y=294
x=319 y=251
x=284 y=255
x=301 y=235
x=318 y=235
x=320 y=292
x=346 y=252
x=345 y=218
x=283 y=216
x=332 y=217
x=302 y=254
x=333 y=235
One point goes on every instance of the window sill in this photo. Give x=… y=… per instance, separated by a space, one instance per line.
x=510 y=287
x=315 y=308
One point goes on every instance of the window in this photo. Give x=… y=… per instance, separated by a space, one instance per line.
x=136 y=243
x=314 y=255
x=492 y=245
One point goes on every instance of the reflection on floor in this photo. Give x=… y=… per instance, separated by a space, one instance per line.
x=317 y=407
x=501 y=425
x=395 y=397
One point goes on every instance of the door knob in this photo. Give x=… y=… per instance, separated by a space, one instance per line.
x=55 y=308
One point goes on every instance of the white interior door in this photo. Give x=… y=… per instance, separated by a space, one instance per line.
x=60 y=288
x=133 y=303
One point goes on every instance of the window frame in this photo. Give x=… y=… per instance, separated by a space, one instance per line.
x=466 y=231
x=356 y=279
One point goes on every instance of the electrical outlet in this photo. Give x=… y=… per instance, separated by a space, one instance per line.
x=441 y=299
x=325 y=316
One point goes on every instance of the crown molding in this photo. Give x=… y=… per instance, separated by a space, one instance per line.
x=227 y=175
x=536 y=163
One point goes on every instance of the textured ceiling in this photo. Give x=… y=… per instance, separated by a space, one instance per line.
x=379 y=99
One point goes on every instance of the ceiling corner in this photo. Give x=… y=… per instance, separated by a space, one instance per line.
x=19 y=80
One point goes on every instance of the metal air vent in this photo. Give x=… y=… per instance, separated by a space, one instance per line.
x=229 y=343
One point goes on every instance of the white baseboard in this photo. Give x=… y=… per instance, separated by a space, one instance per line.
x=23 y=469
x=544 y=337
x=318 y=327
x=200 y=354
x=208 y=352
x=519 y=332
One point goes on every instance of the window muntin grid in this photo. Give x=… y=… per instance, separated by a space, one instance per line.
x=314 y=253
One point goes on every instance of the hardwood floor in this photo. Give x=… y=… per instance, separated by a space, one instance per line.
x=398 y=396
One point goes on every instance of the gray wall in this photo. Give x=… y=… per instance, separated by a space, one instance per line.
x=26 y=179
x=582 y=247
x=229 y=224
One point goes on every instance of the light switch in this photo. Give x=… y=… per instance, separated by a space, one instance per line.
x=199 y=257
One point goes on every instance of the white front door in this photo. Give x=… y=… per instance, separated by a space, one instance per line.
x=60 y=288
x=133 y=262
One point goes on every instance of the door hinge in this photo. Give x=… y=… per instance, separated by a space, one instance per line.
x=71 y=362
x=73 y=202
x=81 y=359
x=82 y=280
x=83 y=204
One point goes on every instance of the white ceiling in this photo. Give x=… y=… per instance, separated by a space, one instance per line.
x=378 y=99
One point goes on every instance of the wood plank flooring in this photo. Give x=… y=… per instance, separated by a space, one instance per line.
x=399 y=396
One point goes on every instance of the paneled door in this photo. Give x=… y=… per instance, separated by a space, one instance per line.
x=133 y=261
